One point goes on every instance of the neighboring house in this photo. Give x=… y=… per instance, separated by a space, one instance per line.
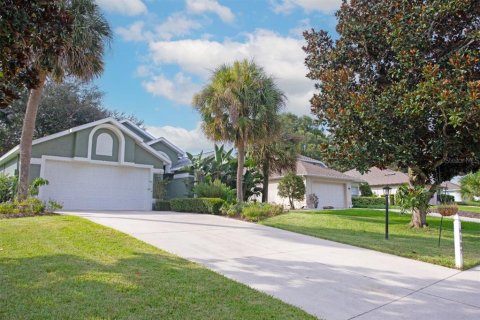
x=378 y=179
x=452 y=189
x=332 y=188
x=103 y=165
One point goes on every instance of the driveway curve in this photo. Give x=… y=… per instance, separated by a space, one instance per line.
x=325 y=278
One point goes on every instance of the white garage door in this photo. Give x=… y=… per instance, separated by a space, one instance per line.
x=87 y=186
x=329 y=194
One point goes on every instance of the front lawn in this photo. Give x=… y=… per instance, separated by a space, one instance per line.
x=365 y=228
x=469 y=209
x=61 y=267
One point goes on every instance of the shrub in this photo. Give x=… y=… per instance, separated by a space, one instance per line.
x=292 y=187
x=365 y=190
x=365 y=202
x=30 y=206
x=8 y=186
x=260 y=211
x=217 y=189
x=198 y=205
x=446 y=198
x=312 y=201
x=232 y=209
x=162 y=205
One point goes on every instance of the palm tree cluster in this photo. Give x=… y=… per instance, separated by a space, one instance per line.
x=241 y=105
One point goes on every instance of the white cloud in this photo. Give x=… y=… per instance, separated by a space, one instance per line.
x=281 y=57
x=192 y=141
x=176 y=25
x=202 y=6
x=287 y=6
x=181 y=89
x=125 y=7
x=133 y=32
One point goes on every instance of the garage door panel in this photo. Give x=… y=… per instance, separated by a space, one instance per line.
x=89 y=186
x=329 y=194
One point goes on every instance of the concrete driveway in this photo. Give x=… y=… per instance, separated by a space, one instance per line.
x=325 y=278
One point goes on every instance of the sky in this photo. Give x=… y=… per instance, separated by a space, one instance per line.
x=164 y=51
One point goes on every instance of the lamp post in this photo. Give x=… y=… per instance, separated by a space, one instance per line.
x=386 y=192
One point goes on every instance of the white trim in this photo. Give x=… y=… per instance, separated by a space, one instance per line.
x=35 y=161
x=118 y=133
x=169 y=144
x=9 y=153
x=158 y=171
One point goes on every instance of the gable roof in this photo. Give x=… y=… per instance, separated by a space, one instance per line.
x=112 y=121
x=169 y=144
x=314 y=168
x=139 y=131
x=378 y=177
x=450 y=185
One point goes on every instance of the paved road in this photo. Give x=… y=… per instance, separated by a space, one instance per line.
x=325 y=278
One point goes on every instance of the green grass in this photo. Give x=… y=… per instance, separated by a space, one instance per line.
x=365 y=228
x=61 y=267
x=469 y=209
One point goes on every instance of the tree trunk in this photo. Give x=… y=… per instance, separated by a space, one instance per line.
x=27 y=136
x=265 y=172
x=292 y=203
x=419 y=219
x=241 y=162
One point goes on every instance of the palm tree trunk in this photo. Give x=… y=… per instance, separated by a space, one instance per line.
x=27 y=136
x=265 y=172
x=241 y=162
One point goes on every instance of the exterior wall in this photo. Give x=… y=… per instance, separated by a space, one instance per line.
x=172 y=154
x=179 y=188
x=60 y=147
x=456 y=194
x=144 y=157
x=34 y=172
x=10 y=168
x=273 y=196
x=378 y=190
x=81 y=143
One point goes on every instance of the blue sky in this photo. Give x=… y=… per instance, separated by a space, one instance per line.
x=163 y=51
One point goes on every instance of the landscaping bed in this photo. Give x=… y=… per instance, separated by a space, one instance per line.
x=366 y=228
x=66 y=267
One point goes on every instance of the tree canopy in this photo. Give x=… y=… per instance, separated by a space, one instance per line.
x=292 y=187
x=470 y=185
x=235 y=105
x=29 y=30
x=401 y=86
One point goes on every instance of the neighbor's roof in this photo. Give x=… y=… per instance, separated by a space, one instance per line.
x=314 y=168
x=378 y=177
x=450 y=185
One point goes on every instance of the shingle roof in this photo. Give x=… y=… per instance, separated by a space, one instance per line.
x=377 y=177
x=315 y=168
x=450 y=185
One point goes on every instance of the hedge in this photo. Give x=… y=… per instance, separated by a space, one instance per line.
x=446 y=198
x=198 y=205
x=365 y=202
x=162 y=205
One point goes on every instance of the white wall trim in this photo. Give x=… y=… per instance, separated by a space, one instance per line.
x=35 y=161
x=118 y=133
x=182 y=175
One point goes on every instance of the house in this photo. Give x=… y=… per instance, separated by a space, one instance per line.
x=103 y=165
x=378 y=179
x=333 y=188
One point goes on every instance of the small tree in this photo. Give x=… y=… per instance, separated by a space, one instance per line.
x=292 y=187
x=470 y=185
x=365 y=190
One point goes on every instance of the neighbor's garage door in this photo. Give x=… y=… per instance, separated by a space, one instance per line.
x=87 y=186
x=330 y=194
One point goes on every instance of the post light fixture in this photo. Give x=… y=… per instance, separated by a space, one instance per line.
x=386 y=193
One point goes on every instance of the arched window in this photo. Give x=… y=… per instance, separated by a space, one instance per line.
x=104 y=145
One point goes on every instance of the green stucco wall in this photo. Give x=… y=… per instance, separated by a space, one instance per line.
x=138 y=132
x=172 y=154
x=144 y=157
x=10 y=167
x=81 y=142
x=60 y=147
x=179 y=188
x=34 y=172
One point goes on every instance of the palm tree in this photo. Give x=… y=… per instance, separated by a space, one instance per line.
x=82 y=58
x=279 y=154
x=235 y=107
